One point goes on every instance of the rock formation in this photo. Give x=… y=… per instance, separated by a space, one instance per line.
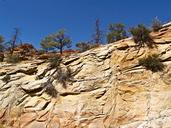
x=107 y=89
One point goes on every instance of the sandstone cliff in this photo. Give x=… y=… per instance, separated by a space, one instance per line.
x=108 y=89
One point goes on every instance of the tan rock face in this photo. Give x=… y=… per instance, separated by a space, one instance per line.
x=107 y=89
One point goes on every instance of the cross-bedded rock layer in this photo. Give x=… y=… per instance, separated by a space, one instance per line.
x=108 y=89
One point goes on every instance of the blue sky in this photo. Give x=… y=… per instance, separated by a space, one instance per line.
x=38 y=18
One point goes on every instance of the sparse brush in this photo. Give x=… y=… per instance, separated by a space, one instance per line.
x=63 y=76
x=6 y=78
x=94 y=46
x=50 y=90
x=156 y=25
x=55 y=61
x=152 y=62
x=83 y=46
x=13 y=59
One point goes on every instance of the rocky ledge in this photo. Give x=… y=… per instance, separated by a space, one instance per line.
x=107 y=89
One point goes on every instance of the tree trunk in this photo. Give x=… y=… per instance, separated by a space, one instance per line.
x=61 y=49
x=12 y=47
x=13 y=41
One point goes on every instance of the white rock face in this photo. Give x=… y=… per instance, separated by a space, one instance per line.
x=106 y=89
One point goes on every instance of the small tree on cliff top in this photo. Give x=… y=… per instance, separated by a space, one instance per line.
x=98 y=36
x=14 y=40
x=141 y=36
x=116 y=32
x=47 y=44
x=58 y=40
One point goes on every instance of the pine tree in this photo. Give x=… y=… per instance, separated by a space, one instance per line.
x=58 y=40
x=116 y=32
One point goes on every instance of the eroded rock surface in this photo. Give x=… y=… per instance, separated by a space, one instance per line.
x=108 y=89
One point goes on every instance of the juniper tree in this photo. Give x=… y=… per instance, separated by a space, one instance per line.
x=116 y=32
x=141 y=36
x=47 y=44
x=58 y=40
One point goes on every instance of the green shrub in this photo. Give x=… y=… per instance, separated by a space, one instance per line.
x=152 y=62
x=83 y=46
x=92 y=46
x=156 y=25
x=13 y=58
x=141 y=36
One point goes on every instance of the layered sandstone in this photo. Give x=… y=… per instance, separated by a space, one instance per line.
x=108 y=89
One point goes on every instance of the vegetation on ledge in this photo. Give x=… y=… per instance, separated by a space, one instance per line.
x=152 y=62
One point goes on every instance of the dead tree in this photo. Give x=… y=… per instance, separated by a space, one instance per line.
x=98 y=33
x=14 y=40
